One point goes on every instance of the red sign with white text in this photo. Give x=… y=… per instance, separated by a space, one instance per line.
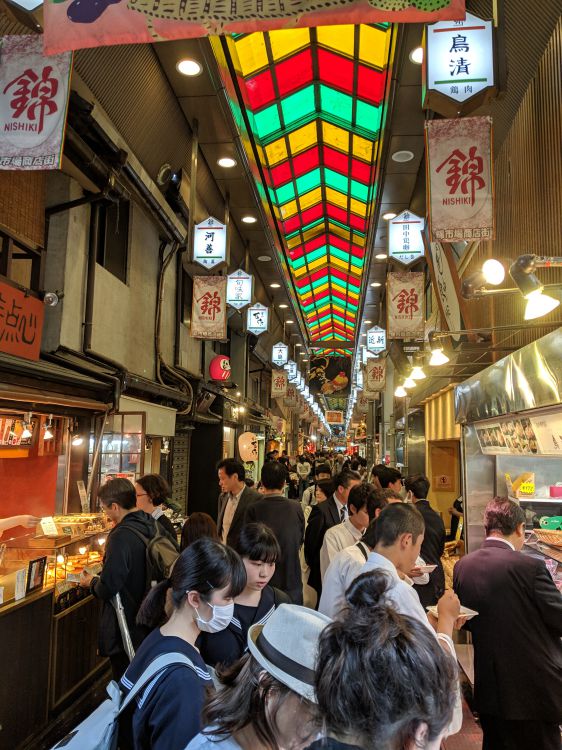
x=21 y=322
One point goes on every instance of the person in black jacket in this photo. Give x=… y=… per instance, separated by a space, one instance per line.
x=234 y=499
x=516 y=635
x=286 y=519
x=433 y=545
x=322 y=517
x=123 y=572
x=259 y=550
x=152 y=491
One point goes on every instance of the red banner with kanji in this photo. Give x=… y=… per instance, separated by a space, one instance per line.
x=279 y=383
x=76 y=24
x=375 y=376
x=460 y=179
x=34 y=93
x=21 y=322
x=208 y=311
x=405 y=306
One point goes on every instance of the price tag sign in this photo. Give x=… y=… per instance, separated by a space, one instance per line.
x=48 y=526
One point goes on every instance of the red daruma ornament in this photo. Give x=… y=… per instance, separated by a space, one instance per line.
x=219 y=368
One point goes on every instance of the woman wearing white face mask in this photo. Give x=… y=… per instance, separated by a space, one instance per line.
x=200 y=595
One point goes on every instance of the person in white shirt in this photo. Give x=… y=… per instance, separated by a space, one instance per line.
x=322 y=471
x=303 y=471
x=361 y=504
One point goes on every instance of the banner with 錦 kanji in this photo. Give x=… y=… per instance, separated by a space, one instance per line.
x=33 y=103
x=375 y=376
x=460 y=179
x=76 y=24
x=279 y=383
x=208 y=311
x=405 y=305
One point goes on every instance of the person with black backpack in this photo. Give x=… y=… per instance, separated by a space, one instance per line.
x=259 y=549
x=124 y=570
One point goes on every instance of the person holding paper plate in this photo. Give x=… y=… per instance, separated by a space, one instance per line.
x=27 y=521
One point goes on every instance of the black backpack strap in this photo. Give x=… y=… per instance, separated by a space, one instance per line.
x=361 y=546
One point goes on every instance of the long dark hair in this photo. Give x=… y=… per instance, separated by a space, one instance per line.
x=250 y=695
x=257 y=541
x=380 y=674
x=197 y=526
x=204 y=566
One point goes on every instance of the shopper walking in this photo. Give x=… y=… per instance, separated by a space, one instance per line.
x=321 y=471
x=123 y=572
x=285 y=518
x=200 y=594
x=259 y=550
x=234 y=500
x=516 y=636
x=152 y=491
x=322 y=518
x=267 y=698
x=407 y=683
x=303 y=471
x=197 y=526
x=417 y=488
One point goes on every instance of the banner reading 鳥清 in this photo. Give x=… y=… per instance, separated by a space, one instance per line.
x=208 y=310
x=279 y=383
x=460 y=179
x=33 y=103
x=405 y=305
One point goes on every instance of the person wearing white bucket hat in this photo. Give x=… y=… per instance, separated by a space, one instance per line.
x=266 y=702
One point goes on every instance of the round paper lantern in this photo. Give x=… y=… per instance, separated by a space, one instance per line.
x=219 y=368
x=248 y=446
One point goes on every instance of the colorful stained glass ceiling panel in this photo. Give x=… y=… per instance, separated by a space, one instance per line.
x=315 y=100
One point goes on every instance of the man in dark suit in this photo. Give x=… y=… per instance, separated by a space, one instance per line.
x=433 y=545
x=516 y=635
x=322 y=517
x=234 y=500
x=286 y=519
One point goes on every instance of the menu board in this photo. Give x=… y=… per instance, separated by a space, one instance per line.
x=522 y=436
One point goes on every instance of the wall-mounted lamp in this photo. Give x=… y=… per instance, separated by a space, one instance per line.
x=49 y=429
x=523 y=274
x=400 y=392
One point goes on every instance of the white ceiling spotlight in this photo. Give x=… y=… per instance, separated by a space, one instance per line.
x=389 y=215
x=416 y=55
x=249 y=219
x=381 y=256
x=189 y=67
x=403 y=156
x=227 y=162
x=264 y=258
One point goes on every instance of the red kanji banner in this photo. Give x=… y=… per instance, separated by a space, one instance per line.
x=405 y=306
x=208 y=313
x=75 y=24
x=21 y=322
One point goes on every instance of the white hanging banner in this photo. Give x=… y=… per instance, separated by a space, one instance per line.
x=279 y=354
x=208 y=310
x=405 y=239
x=209 y=243
x=376 y=340
x=279 y=383
x=291 y=397
x=375 y=375
x=362 y=403
x=405 y=305
x=292 y=370
x=239 y=289
x=257 y=319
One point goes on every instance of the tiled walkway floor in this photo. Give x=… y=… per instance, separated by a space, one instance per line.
x=470 y=736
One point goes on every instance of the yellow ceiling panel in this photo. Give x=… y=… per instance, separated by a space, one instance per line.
x=362 y=148
x=276 y=152
x=338 y=199
x=252 y=53
x=374 y=46
x=310 y=199
x=336 y=137
x=339 y=38
x=303 y=138
x=287 y=41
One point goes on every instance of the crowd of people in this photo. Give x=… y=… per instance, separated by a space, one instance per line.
x=364 y=666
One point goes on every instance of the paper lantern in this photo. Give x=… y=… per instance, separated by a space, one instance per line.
x=219 y=368
x=248 y=446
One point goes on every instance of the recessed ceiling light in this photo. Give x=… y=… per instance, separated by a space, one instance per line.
x=275 y=286
x=298 y=344
x=416 y=55
x=250 y=219
x=389 y=215
x=289 y=322
x=283 y=307
x=367 y=322
x=264 y=258
x=363 y=334
x=376 y=283
x=305 y=360
x=227 y=162
x=402 y=156
x=381 y=256
x=189 y=67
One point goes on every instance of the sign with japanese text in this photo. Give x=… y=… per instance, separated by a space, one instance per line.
x=362 y=405
x=142 y=21
x=375 y=375
x=458 y=67
x=239 y=289
x=405 y=306
x=208 y=310
x=291 y=397
x=257 y=319
x=209 y=243
x=292 y=370
x=21 y=322
x=279 y=354
x=376 y=340
x=445 y=289
x=34 y=93
x=460 y=185
x=405 y=240
x=334 y=417
x=279 y=383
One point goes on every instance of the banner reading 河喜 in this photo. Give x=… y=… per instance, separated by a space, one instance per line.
x=208 y=311
x=405 y=305
x=460 y=179
x=33 y=103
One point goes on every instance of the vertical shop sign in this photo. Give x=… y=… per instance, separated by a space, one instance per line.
x=460 y=194
x=445 y=289
x=208 y=311
x=362 y=403
x=375 y=375
x=405 y=239
x=376 y=341
x=405 y=305
x=21 y=322
x=291 y=397
x=279 y=383
x=33 y=104
x=257 y=319
x=239 y=289
x=292 y=370
x=209 y=243
x=458 y=68
x=279 y=354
